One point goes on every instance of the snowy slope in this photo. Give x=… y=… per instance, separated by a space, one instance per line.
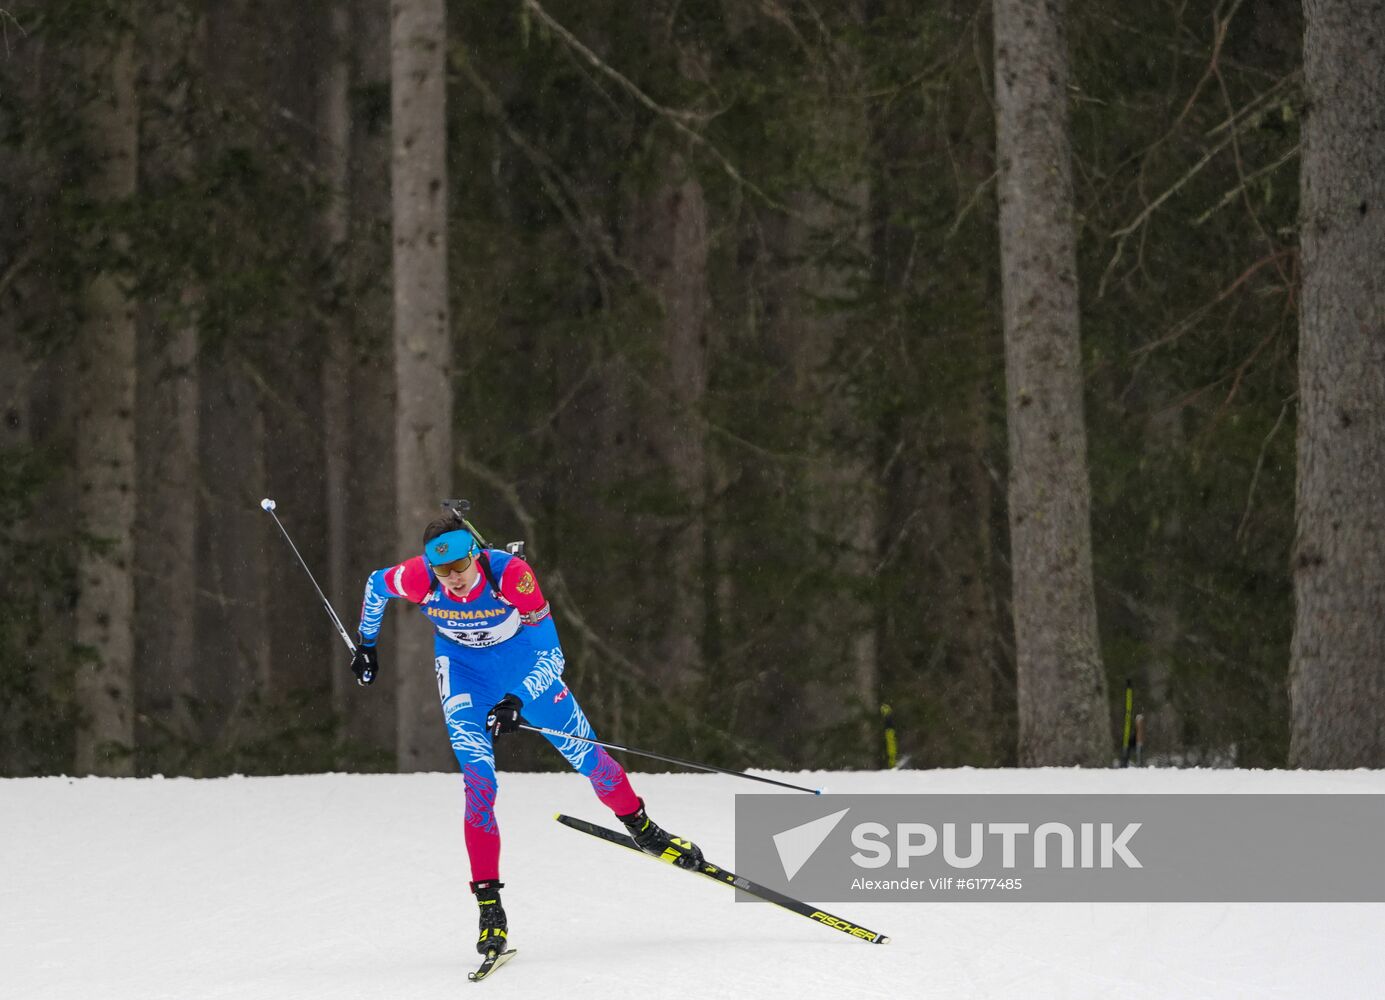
x=341 y=887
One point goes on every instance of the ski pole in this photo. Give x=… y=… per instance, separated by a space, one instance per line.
x=269 y=505
x=669 y=760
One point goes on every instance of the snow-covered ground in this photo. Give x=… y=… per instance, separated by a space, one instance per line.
x=348 y=886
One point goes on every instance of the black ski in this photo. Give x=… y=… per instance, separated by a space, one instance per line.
x=740 y=882
x=493 y=961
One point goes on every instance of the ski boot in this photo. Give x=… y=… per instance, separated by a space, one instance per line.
x=494 y=927
x=652 y=839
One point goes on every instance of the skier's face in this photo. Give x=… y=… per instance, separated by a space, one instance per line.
x=459 y=576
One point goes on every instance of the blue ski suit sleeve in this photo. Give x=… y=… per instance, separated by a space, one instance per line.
x=410 y=580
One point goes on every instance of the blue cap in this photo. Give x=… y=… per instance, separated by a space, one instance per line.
x=450 y=547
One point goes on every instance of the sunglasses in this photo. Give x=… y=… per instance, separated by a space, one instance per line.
x=457 y=566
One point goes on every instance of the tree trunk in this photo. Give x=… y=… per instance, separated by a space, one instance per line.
x=168 y=411
x=106 y=434
x=233 y=660
x=670 y=241
x=957 y=520
x=832 y=660
x=1163 y=732
x=16 y=437
x=37 y=417
x=334 y=151
x=422 y=345
x=302 y=654
x=235 y=548
x=829 y=245
x=1062 y=687
x=840 y=485
x=941 y=656
x=369 y=721
x=1337 y=660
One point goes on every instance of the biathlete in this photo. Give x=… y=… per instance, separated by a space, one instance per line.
x=498 y=662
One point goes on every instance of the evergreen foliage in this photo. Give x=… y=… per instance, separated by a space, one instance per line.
x=1185 y=125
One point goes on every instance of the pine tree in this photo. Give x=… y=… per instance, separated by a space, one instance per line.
x=1062 y=688
x=106 y=419
x=1337 y=667
x=422 y=339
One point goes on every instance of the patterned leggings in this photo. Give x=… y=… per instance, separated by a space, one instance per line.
x=467 y=697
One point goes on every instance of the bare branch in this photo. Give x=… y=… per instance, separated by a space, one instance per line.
x=6 y=18
x=1260 y=464
x=971 y=203
x=561 y=192
x=780 y=16
x=1230 y=196
x=1218 y=40
x=16 y=268
x=612 y=72
x=1241 y=176
x=1285 y=82
x=1146 y=39
x=1237 y=122
x=1187 y=324
x=1124 y=232
x=678 y=119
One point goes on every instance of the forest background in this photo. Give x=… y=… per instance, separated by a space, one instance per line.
x=726 y=349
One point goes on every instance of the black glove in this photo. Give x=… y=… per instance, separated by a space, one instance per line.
x=504 y=717
x=365 y=664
